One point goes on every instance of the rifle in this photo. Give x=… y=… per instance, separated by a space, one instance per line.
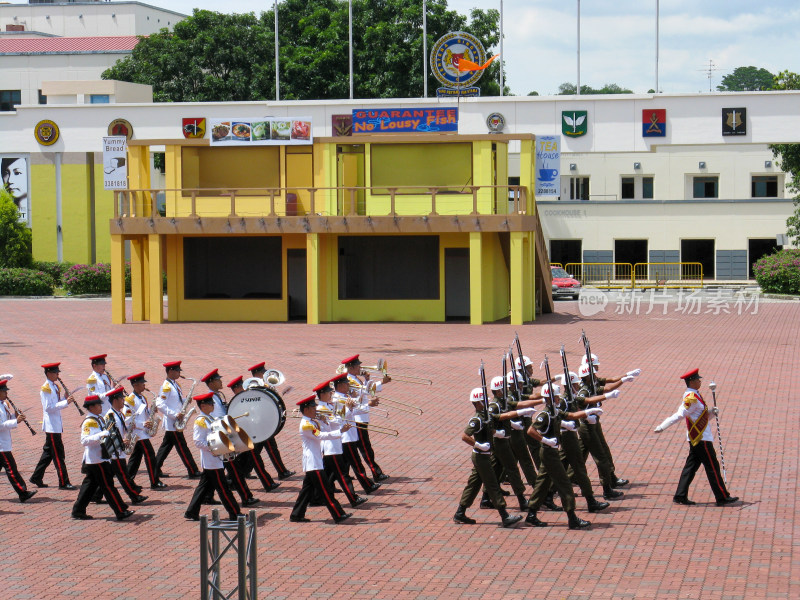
x=588 y=349
x=549 y=381
x=517 y=389
x=570 y=396
x=525 y=376
x=485 y=392
x=505 y=384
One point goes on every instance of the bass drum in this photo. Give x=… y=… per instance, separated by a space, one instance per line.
x=260 y=411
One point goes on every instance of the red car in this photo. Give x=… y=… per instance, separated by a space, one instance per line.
x=564 y=284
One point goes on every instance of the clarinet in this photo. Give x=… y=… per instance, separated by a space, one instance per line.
x=68 y=395
x=19 y=412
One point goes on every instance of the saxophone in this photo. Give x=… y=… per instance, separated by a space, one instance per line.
x=180 y=424
x=155 y=418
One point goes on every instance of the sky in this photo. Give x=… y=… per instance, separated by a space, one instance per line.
x=618 y=40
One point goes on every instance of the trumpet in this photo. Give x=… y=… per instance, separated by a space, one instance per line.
x=68 y=395
x=383 y=366
x=20 y=413
x=396 y=404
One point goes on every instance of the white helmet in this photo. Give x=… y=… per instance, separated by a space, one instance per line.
x=476 y=395
x=584 y=371
x=510 y=378
x=525 y=360
x=546 y=390
x=595 y=361
x=497 y=383
x=573 y=378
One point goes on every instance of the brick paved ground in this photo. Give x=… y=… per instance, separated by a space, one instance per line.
x=402 y=543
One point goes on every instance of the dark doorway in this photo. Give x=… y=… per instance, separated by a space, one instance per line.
x=758 y=248
x=296 y=284
x=565 y=251
x=456 y=284
x=628 y=251
x=701 y=251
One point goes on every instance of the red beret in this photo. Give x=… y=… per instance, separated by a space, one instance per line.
x=201 y=397
x=339 y=378
x=257 y=367
x=175 y=364
x=98 y=357
x=351 y=359
x=693 y=374
x=3 y=385
x=323 y=387
x=50 y=366
x=115 y=392
x=210 y=375
x=308 y=400
x=235 y=382
x=135 y=378
x=91 y=399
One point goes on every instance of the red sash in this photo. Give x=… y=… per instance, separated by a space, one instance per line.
x=696 y=428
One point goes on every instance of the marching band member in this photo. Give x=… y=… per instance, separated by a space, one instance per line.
x=367 y=387
x=212 y=478
x=312 y=436
x=97 y=465
x=142 y=420
x=119 y=464
x=53 y=450
x=701 y=442
x=170 y=403
x=336 y=468
x=259 y=370
x=9 y=421
x=99 y=382
x=341 y=387
x=234 y=468
x=236 y=386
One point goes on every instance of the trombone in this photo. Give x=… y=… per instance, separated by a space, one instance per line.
x=395 y=404
x=382 y=367
x=376 y=428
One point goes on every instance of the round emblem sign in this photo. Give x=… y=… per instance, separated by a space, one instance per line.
x=46 y=133
x=495 y=122
x=446 y=53
x=120 y=127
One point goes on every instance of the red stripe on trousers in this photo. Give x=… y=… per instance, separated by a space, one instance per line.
x=275 y=460
x=186 y=462
x=59 y=467
x=327 y=497
x=343 y=481
x=223 y=492
x=262 y=472
x=148 y=461
x=11 y=475
x=356 y=462
x=110 y=489
x=366 y=454
x=713 y=470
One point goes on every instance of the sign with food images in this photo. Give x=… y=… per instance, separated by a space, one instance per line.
x=266 y=131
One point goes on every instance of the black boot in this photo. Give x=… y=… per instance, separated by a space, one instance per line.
x=461 y=516
x=610 y=493
x=485 y=502
x=533 y=520
x=595 y=506
x=523 y=503
x=575 y=522
x=549 y=504
x=508 y=520
x=618 y=482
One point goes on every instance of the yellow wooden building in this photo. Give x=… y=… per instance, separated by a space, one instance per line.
x=403 y=227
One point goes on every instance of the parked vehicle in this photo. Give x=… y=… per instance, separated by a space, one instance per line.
x=564 y=284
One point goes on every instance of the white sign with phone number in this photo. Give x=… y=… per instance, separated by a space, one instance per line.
x=265 y=131
x=115 y=167
x=548 y=165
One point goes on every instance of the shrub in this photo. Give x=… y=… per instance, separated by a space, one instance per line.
x=88 y=279
x=25 y=282
x=15 y=237
x=779 y=273
x=54 y=269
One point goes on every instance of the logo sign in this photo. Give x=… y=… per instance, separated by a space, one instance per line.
x=654 y=122
x=495 y=122
x=120 y=127
x=446 y=53
x=265 y=131
x=470 y=92
x=405 y=120
x=574 y=123
x=46 y=133
x=734 y=121
x=342 y=125
x=115 y=162
x=548 y=165
x=193 y=128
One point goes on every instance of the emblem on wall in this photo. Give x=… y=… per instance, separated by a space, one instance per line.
x=120 y=127
x=495 y=122
x=342 y=125
x=654 y=122
x=194 y=128
x=734 y=121
x=46 y=133
x=445 y=55
x=574 y=123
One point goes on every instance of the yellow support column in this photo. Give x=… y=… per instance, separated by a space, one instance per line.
x=313 y=256
x=475 y=278
x=117 y=279
x=138 y=270
x=518 y=276
x=154 y=275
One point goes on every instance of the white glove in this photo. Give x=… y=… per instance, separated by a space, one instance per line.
x=594 y=411
x=482 y=447
x=8 y=376
x=658 y=429
x=568 y=425
x=517 y=425
x=500 y=434
x=525 y=412
x=591 y=419
x=104 y=434
x=612 y=394
x=715 y=411
x=627 y=379
x=634 y=373
x=552 y=442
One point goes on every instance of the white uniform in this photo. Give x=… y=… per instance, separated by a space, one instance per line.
x=169 y=403
x=200 y=437
x=91 y=438
x=52 y=405
x=140 y=412
x=220 y=409
x=362 y=415
x=692 y=406
x=351 y=435
x=100 y=384
x=332 y=446
x=312 y=435
x=7 y=423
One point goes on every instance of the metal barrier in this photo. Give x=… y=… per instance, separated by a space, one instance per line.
x=602 y=275
x=557 y=265
x=668 y=275
x=243 y=541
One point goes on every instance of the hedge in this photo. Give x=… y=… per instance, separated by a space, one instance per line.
x=54 y=269
x=25 y=282
x=779 y=273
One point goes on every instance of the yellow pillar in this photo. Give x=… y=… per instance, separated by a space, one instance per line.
x=138 y=270
x=155 y=277
x=313 y=259
x=518 y=276
x=173 y=246
x=117 y=279
x=139 y=178
x=475 y=277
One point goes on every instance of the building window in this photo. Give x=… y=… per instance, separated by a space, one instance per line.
x=705 y=187
x=765 y=186
x=99 y=99
x=647 y=188
x=637 y=188
x=628 y=188
x=9 y=99
x=42 y=98
x=578 y=188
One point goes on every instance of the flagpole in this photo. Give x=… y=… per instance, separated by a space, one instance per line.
x=501 y=47
x=657 y=16
x=424 y=48
x=277 y=60
x=350 y=34
x=578 y=87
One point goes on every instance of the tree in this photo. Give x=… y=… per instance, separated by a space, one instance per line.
x=15 y=237
x=219 y=57
x=746 y=79
x=788 y=156
x=568 y=89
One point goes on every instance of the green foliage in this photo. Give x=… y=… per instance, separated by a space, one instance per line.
x=88 y=279
x=568 y=89
x=54 y=269
x=212 y=56
x=788 y=157
x=15 y=237
x=780 y=272
x=533 y=93
x=746 y=79
x=786 y=80
x=25 y=282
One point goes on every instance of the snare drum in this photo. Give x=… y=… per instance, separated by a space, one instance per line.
x=259 y=411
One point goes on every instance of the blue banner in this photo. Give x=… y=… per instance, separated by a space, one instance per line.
x=405 y=120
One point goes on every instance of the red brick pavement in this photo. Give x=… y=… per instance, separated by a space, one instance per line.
x=402 y=543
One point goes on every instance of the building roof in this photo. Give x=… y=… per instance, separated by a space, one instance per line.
x=68 y=45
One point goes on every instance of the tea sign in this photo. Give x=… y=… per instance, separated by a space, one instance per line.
x=548 y=165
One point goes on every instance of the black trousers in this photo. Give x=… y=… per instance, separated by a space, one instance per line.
x=337 y=469
x=702 y=454
x=236 y=475
x=252 y=460
x=98 y=476
x=274 y=455
x=315 y=482
x=175 y=439
x=53 y=451
x=354 y=461
x=213 y=480
x=119 y=467
x=143 y=449
x=365 y=447
x=8 y=463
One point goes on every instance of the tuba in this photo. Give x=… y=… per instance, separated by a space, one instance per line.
x=180 y=424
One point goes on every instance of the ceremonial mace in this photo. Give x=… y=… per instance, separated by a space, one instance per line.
x=713 y=387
